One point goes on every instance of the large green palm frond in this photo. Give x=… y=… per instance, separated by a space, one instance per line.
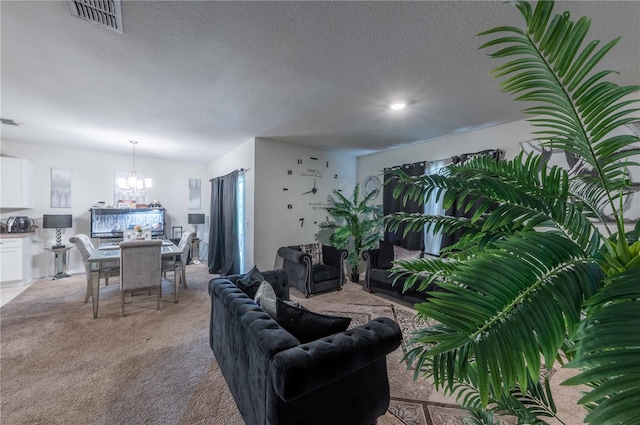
x=609 y=352
x=551 y=64
x=523 y=304
x=528 y=406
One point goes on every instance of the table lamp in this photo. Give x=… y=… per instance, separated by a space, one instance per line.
x=58 y=222
x=196 y=219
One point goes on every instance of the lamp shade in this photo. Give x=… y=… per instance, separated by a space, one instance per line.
x=196 y=218
x=56 y=221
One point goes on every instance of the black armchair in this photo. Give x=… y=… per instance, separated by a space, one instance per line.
x=313 y=278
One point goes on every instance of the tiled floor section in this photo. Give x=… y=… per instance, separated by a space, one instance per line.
x=10 y=291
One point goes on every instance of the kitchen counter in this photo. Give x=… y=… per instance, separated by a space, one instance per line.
x=16 y=235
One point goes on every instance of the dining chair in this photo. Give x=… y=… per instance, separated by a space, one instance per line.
x=140 y=267
x=132 y=235
x=107 y=269
x=179 y=265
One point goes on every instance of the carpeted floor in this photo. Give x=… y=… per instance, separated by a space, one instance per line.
x=60 y=366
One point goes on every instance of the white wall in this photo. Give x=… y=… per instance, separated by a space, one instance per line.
x=241 y=157
x=504 y=136
x=93 y=181
x=275 y=224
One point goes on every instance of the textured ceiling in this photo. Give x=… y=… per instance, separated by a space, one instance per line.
x=192 y=80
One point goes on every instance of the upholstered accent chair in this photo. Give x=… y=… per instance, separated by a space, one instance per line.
x=140 y=267
x=179 y=265
x=107 y=269
x=324 y=272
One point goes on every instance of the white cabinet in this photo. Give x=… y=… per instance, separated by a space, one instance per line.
x=10 y=259
x=16 y=259
x=16 y=184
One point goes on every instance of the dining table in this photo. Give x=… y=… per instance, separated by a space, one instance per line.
x=110 y=252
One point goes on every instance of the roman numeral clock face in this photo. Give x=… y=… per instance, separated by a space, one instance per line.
x=309 y=182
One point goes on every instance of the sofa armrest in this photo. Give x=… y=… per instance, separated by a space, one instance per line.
x=246 y=318
x=371 y=257
x=303 y=369
x=293 y=255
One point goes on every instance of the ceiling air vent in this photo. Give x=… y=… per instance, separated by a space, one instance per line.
x=101 y=12
x=7 y=121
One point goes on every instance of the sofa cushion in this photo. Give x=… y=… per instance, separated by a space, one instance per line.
x=250 y=282
x=322 y=272
x=381 y=275
x=315 y=251
x=385 y=256
x=401 y=254
x=266 y=298
x=306 y=325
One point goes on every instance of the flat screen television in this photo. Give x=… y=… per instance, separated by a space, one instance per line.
x=111 y=222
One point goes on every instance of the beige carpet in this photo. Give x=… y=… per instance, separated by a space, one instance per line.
x=60 y=366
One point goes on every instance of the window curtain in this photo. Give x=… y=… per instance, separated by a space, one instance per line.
x=224 y=250
x=390 y=205
x=457 y=208
x=433 y=240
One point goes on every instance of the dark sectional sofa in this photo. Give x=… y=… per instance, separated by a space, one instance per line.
x=274 y=379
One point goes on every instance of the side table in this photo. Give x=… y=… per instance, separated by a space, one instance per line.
x=60 y=261
x=195 y=251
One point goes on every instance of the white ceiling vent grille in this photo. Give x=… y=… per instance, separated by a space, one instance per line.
x=101 y=12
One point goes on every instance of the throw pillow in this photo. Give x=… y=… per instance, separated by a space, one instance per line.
x=315 y=251
x=401 y=254
x=385 y=255
x=266 y=298
x=306 y=325
x=250 y=282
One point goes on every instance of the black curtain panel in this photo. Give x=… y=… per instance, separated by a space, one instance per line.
x=215 y=224
x=391 y=205
x=224 y=253
x=457 y=208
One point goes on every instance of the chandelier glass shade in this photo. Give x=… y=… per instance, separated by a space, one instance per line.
x=133 y=183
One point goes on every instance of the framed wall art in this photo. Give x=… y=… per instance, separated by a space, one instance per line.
x=194 y=193
x=61 y=188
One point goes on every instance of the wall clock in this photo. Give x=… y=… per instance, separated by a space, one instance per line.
x=309 y=183
x=371 y=184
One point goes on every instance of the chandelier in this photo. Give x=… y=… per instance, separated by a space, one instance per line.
x=133 y=183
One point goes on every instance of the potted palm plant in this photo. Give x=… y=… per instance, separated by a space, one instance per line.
x=353 y=224
x=560 y=283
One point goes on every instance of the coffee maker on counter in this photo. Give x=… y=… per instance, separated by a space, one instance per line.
x=19 y=224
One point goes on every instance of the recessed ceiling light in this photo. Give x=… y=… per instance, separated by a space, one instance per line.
x=397 y=106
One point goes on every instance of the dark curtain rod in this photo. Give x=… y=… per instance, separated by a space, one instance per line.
x=243 y=170
x=484 y=152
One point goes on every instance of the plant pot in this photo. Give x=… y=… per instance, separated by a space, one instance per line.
x=355 y=277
